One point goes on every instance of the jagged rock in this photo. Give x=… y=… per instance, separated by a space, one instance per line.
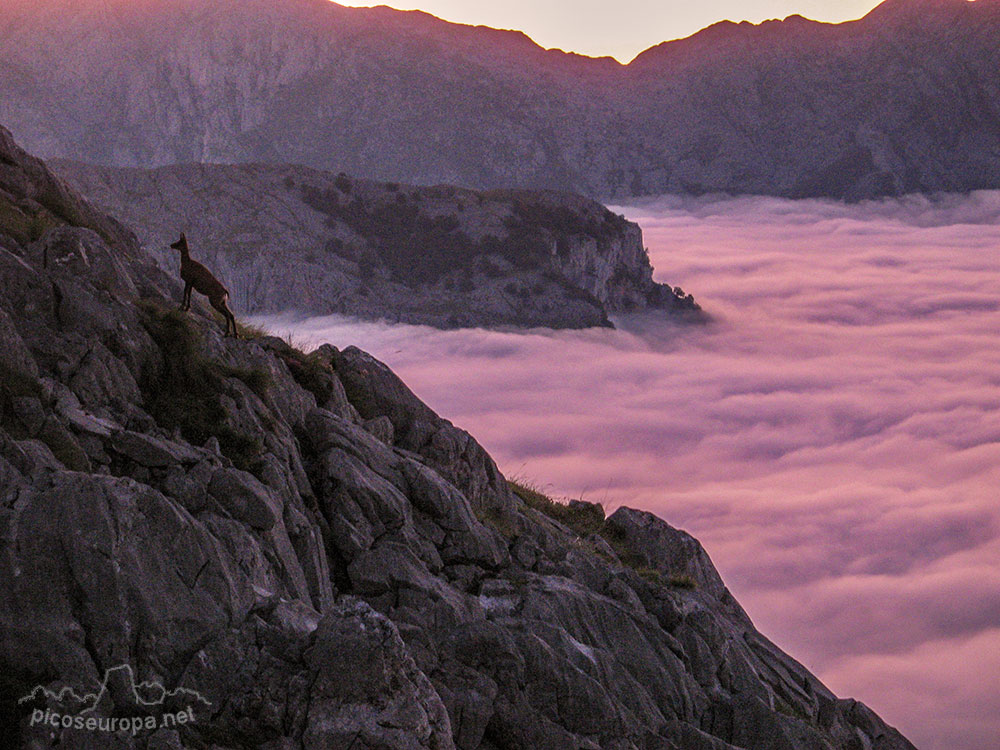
x=29 y=412
x=103 y=380
x=86 y=423
x=18 y=368
x=63 y=444
x=381 y=427
x=666 y=549
x=376 y=391
x=361 y=511
x=244 y=498
x=150 y=451
x=368 y=691
x=39 y=457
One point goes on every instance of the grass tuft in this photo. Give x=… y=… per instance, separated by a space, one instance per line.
x=310 y=371
x=251 y=331
x=682 y=581
x=651 y=574
x=584 y=519
x=15 y=384
x=24 y=226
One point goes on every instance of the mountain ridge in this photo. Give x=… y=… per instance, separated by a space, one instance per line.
x=899 y=101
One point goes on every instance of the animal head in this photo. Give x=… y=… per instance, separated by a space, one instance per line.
x=181 y=244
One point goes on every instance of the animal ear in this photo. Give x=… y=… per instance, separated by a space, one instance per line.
x=183 y=237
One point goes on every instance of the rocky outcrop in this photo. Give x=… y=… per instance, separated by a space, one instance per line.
x=290 y=238
x=294 y=551
x=903 y=100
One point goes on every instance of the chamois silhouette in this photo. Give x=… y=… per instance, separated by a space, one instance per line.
x=195 y=276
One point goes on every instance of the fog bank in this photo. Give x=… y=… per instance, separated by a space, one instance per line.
x=833 y=437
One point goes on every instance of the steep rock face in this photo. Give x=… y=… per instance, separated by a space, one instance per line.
x=302 y=554
x=903 y=100
x=293 y=238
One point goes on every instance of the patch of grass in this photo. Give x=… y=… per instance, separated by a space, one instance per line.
x=584 y=519
x=614 y=537
x=587 y=519
x=251 y=331
x=13 y=221
x=185 y=392
x=651 y=574
x=491 y=517
x=257 y=381
x=682 y=581
x=25 y=227
x=15 y=384
x=310 y=371
x=40 y=223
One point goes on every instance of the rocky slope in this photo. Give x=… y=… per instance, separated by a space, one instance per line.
x=299 y=553
x=293 y=238
x=906 y=99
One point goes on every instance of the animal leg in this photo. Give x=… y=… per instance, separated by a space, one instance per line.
x=222 y=305
x=186 y=302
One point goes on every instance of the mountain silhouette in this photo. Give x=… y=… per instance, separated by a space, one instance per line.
x=904 y=100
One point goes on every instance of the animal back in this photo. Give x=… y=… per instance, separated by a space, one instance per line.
x=203 y=280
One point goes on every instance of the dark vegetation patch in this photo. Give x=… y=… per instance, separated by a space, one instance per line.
x=23 y=225
x=15 y=384
x=27 y=222
x=601 y=224
x=585 y=519
x=412 y=245
x=416 y=246
x=795 y=712
x=185 y=391
x=582 y=518
x=675 y=581
x=535 y=228
x=682 y=581
x=494 y=519
x=616 y=538
x=310 y=371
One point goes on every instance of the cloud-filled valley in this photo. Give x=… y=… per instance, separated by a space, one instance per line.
x=832 y=437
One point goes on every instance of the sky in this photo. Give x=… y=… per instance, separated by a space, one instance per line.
x=624 y=28
x=832 y=438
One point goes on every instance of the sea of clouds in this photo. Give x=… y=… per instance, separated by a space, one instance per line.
x=832 y=437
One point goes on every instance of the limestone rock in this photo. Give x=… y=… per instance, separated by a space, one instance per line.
x=244 y=497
